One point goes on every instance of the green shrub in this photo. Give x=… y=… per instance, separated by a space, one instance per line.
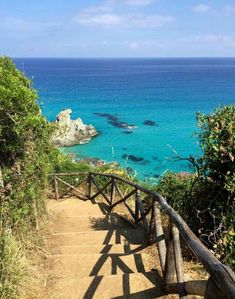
x=217 y=141
x=176 y=188
x=206 y=199
x=217 y=176
x=24 y=148
x=13 y=266
x=25 y=155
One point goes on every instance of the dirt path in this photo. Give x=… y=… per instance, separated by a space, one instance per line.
x=95 y=254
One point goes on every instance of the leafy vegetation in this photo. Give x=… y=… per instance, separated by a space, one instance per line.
x=25 y=150
x=217 y=140
x=206 y=199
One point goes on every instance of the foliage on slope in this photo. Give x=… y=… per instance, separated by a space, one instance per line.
x=206 y=199
x=25 y=162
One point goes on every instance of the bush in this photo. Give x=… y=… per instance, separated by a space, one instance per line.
x=24 y=148
x=217 y=177
x=25 y=155
x=206 y=199
x=217 y=141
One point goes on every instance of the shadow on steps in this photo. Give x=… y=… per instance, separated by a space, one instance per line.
x=153 y=277
x=109 y=221
x=156 y=291
x=127 y=248
x=151 y=293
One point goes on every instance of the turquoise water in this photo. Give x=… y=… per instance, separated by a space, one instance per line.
x=167 y=92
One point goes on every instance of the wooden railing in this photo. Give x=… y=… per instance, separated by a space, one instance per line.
x=221 y=282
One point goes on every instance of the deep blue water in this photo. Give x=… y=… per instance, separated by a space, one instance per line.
x=166 y=91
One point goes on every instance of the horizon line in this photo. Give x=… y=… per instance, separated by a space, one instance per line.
x=119 y=57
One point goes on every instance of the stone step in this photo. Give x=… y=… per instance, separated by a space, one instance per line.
x=125 y=236
x=93 y=222
x=73 y=207
x=82 y=265
x=104 y=248
x=145 y=285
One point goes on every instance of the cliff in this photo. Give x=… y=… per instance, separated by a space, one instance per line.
x=71 y=132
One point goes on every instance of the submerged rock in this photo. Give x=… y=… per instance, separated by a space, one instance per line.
x=149 y=123
x=145 y=162
x=71 y=132
x=115 y=121
x=132 y=158
x=155 y=158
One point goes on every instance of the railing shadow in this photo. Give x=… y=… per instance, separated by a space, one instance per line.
x=118 y=266
x=108 y=221
x=153 y=277
x=149 y=293
x=119 y=229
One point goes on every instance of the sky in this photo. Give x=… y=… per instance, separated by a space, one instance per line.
x=117 y=28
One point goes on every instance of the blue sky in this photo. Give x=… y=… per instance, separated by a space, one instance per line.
x=117 y=28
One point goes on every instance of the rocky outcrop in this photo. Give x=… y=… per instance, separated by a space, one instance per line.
x=71 y=132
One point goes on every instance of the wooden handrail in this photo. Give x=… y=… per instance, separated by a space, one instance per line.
x=222 y=278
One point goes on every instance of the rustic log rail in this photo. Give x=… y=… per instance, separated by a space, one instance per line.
x=221 y=282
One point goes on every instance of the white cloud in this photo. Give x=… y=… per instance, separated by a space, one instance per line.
x=27 y=25
x=96 y=20
x=108 y=14
x=126 y=21
x=151 y=47
x=138 y=44
x=229 y=9
x=150 y=21
x=201 y=8
x=223 y=11
x=220 y=39
x=103 y=7
x=138 y=2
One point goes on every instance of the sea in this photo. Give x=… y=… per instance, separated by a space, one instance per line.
x=144 y=109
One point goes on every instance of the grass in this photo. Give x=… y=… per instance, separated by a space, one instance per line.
x=22 y=259
x=14 y=266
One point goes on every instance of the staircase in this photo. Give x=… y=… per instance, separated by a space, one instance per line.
x=96 y=254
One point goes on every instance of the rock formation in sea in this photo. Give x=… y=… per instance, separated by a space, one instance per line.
x=71 y=132
x=115 y=121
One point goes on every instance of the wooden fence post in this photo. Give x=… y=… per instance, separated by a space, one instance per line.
x=89 y=182
x=112 y=194
x=160 y=239
x=178 y=261
x=170 y=273
x=136 y=211
x=56 y=188
x=141 y=209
